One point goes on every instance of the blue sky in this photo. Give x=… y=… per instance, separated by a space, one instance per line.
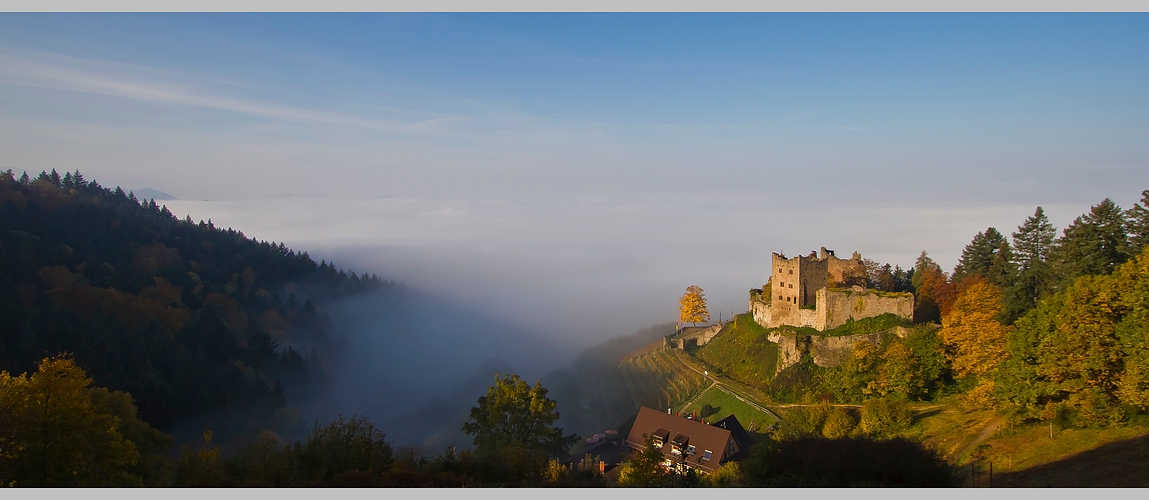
x=550 y=142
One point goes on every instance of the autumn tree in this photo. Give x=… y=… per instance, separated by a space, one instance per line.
x=692 y=306
x=931 y=289
x=513 y=429
x=52 y=435
x=975 y=341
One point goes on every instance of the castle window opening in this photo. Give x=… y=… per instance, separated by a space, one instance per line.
x=791 y=271
x=791 y=285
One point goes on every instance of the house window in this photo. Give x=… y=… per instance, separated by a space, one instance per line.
x=690 y=450
x=706 y=454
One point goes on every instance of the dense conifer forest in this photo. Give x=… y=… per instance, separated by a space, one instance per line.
x=186 y=317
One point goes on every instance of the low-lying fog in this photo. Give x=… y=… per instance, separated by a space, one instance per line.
x=524 y=286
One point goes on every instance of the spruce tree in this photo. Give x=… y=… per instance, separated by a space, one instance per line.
x=1034 y=279
x=1095 y=243
x=1138 y=218
x=979 y=255
x=1002 y=272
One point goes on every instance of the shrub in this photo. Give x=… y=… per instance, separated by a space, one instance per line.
x=838 y=424
x=885 y=416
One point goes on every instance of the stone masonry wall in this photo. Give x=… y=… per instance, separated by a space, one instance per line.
x=836 y=306
x=826 y=351
x=813 y=276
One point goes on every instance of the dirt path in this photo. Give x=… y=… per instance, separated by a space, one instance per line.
x=994 y=424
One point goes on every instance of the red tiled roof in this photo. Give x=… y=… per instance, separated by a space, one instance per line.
x=686 y=432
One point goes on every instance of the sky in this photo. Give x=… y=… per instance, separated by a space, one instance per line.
x=576 y=172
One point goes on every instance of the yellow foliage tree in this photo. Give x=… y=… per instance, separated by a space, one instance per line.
x=53 y=435
x=975 y=340
x=692 y=306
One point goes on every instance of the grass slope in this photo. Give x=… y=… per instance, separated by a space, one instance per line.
x=1026 y=455
x=726 y=405
x=742 y=352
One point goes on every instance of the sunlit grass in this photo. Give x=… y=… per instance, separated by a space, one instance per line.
x=751 y=419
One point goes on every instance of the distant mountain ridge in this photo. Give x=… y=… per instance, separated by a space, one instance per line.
x=152 y=194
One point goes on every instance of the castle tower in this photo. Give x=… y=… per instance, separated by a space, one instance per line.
x=795 y=282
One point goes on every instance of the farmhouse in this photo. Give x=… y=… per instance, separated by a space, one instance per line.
x=689 y=444
x=822 y=291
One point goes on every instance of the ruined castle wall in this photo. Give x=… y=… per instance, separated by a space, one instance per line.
x=761 y=313
x=826 y=351
x=790 y=349
x=836 y=306
x=785 y=286
x=837 y=269
x=773 y=316
x=833 y=351
x=813 y=275
x=808 y=317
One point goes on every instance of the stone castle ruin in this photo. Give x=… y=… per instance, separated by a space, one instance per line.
x=822 y=291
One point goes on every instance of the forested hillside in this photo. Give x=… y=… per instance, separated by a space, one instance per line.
x=186 y=317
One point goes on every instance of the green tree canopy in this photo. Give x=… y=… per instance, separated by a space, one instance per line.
x=515 y=415
x=1094 y=244
x=1138 y=218
x=1034 y=278
x=981 y=255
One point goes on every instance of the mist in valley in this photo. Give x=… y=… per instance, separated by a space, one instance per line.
x=544 y=184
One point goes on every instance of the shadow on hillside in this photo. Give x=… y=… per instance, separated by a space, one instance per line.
x=1124 y=464
x=926 y=414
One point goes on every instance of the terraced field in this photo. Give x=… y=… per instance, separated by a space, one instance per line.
x=611 y=395
x=655 y=379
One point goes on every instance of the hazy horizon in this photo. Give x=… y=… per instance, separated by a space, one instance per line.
x=573 y=173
